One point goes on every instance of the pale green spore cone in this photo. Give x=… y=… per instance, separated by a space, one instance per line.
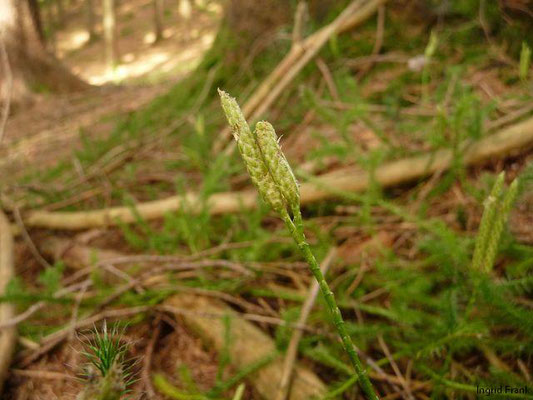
x=235 y=117
x=251 y=154
x=501 y=214
x=277 y=164
x=487 y=221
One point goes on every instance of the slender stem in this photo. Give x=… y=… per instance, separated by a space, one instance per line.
x=299 y=237
x=297 y=218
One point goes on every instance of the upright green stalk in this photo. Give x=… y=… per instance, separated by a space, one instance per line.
x=273 y=177
x=487 y=221
x=299 y=237
x=497 y=208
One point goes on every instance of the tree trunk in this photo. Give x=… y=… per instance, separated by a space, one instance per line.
x=251 y=19
x=51 y=24
x=89 y=10
x=111 y=50
x=36 y=17
x=60 y=12
x=248 y=21
x=158 y=20
x=245 y=23
x=31 y=65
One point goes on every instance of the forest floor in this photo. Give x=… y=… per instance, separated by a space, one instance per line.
x=49 y=130
x=50 y=127
x=399 y=256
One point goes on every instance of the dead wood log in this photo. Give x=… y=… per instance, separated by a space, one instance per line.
x=515 y=139
x=7 y=335
x=248 y=345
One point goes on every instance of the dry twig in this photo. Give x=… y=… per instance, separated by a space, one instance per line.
x=147 y=366
x=17 y=319
x=328 y=78
x=396 y=369
x=300 y=17
x=39 y=374
x=27 y=238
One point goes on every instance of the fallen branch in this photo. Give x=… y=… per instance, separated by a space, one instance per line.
x=8 y=335
x=515 y=139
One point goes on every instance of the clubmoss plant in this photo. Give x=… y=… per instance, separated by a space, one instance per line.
x=525 y=61
x=497 y=208
x=271 y=174
x=106 y=376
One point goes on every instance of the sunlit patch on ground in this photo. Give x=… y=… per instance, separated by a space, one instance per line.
x=146 y=70
x=187 y=34
x=74 y=41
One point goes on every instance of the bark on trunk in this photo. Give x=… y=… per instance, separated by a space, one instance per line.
x=36 y=17
x=89 y=10
x=158 y=20
x=60 y=12
x=249 y=21
x=51 y=24
x=31 y=65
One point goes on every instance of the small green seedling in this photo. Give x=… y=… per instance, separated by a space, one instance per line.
x=106 y=376
x=272 y=175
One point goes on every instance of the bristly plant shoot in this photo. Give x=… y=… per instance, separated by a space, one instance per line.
x=271 y=174
x=106 y=375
